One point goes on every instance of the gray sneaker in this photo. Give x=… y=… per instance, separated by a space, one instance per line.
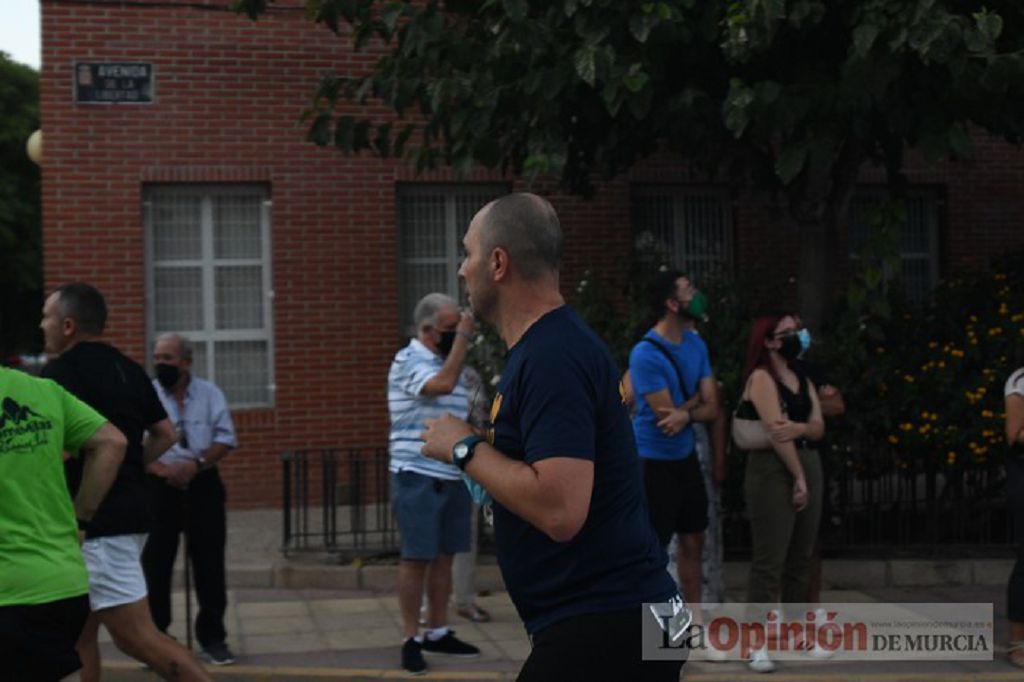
x=218 y=654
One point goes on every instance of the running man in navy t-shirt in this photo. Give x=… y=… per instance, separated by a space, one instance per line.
x=575 y=543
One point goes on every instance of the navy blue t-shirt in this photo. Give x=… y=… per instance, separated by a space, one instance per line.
x=560 y=396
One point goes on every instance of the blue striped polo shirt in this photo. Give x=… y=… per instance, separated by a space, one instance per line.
x=413 y=367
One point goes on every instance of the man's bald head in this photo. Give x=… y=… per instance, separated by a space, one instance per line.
x=527 y=227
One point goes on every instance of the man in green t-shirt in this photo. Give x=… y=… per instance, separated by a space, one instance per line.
x=43 y=583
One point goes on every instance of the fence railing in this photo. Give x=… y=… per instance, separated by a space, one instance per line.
x=338 y=500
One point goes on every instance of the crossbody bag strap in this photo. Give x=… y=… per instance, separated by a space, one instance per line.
x=675 y=365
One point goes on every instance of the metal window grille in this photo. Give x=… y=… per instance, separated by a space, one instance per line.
x=432 y=220
x=692 y=229
x=208 y=278
x=918 y=238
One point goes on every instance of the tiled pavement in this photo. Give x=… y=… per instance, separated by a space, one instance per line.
x=304 y=632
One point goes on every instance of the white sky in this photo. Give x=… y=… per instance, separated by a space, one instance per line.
x=19 y=30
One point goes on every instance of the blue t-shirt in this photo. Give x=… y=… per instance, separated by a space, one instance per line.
x=651 y=372
x=560 y=396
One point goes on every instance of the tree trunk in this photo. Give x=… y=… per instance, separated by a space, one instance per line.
x=814 y=285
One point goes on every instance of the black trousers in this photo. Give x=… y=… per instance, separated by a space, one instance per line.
x=37 y=642
x=1015 y=503
x=599 y=646
x=200 y=512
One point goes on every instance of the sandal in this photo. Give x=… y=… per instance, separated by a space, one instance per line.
x=1015 y=654
x=473 y=613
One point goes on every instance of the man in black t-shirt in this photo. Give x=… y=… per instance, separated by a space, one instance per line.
x=574 y=539
x=98 y=374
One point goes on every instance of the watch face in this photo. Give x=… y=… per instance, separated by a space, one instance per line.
x=461 y=450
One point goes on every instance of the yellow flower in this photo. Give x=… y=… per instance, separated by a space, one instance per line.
x=942 y=364
x=933 y=344
x=987 y=414
x=934 y=417
x=880 y=350
x=924 y=415
x=893 y=440
x=950 y=457
x=907 y=378
x=906 y=426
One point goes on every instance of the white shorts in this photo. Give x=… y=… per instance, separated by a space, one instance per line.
x=115 y=572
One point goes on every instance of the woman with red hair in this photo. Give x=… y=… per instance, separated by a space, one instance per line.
x=783 y=484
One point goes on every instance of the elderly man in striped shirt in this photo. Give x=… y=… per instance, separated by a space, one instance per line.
x=432 y=506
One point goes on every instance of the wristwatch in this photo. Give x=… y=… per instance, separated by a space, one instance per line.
x=462 y=452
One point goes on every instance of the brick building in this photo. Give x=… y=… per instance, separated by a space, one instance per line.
x=294 y=268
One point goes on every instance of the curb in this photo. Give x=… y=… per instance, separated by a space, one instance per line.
x=840 y=574
x=118 y=671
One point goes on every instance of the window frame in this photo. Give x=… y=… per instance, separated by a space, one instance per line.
x=449 y=192
x=208 y=264
x=935 y=202
x=679 y=195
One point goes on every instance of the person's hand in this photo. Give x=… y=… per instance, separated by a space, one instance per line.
x=182 y=473
x=158 y=468
x=800 y=496
x=81 y=536
x=441 y=436
x=827 y=391
x=783 y=430
x=672 y=420
x=466 y=324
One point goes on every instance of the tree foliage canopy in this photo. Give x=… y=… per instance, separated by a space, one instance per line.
x=20 y=261
x=792 y=96
x=784 y=91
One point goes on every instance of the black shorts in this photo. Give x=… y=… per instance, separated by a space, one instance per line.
x=676 y=496
x=37 y=642
x=599 y=646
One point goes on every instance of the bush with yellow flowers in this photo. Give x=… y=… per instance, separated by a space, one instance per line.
x=924 y=384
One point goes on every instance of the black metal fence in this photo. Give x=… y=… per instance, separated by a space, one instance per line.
x=877 y=506
x=338 y=501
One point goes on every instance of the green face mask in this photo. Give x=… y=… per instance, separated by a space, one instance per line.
x=698 y=307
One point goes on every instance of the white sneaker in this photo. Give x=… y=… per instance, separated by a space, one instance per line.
x=759 y=661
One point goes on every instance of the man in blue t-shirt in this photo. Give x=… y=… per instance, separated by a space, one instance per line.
x=574 y=540
x=674 y=387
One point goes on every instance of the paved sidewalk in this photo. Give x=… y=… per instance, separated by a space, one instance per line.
x=308 y=632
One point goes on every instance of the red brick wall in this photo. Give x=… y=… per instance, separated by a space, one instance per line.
x=229 y=93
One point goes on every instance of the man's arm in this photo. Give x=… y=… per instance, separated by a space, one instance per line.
x=552 y=494
x=445 y=380
x=831 y=399
x=159 y=438
x=102 y=455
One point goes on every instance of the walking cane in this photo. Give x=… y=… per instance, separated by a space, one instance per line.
x=188 y=572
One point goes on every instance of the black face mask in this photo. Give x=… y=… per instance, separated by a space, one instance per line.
x=167 y=375
x=444 y=346
x=791 y=347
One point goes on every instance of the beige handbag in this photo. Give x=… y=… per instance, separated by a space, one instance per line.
x=748 y=430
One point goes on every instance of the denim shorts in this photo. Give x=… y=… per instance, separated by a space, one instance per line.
x=432 y=515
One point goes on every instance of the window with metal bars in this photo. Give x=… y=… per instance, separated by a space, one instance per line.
x=208 y=279
x=918 y=237
x=432 y=220
x=692 y=229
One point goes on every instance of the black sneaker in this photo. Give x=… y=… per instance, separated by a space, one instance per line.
x=412 y=657
x=218 y=654
x=450 y=645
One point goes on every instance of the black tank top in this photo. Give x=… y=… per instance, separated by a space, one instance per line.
x=798 y=405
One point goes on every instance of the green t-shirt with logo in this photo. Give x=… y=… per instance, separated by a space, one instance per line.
x=40 y=560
